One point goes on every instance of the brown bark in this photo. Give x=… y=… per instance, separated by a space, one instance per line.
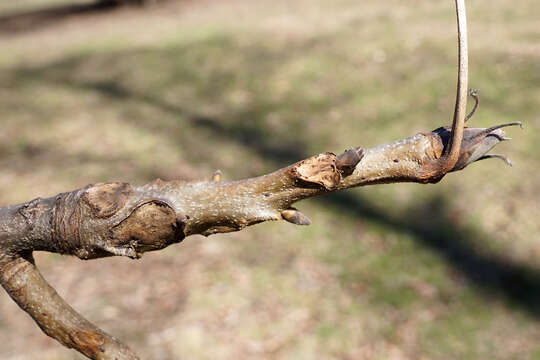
x=55 y=317
x=111 y=219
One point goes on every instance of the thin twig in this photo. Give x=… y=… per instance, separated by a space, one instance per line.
x=452 y=152
x=474 y=95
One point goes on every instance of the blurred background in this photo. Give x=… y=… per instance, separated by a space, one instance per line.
x=93 y=92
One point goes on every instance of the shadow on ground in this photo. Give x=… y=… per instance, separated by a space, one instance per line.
x=37 y=19
x=433 y=225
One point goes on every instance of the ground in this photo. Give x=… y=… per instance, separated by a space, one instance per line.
x=181 y=88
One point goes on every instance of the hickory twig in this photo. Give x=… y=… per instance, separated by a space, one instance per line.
x=117 y=219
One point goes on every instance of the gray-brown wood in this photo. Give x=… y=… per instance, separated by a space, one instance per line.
x=119 y=219
x=110 y=219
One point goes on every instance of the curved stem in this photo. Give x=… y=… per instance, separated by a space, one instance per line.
x=24 y=283
x=474 y=95
x=452 y=152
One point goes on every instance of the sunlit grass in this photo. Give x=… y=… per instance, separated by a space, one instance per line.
x=410 y=270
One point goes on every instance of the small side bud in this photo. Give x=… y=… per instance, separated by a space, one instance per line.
x=295 y=217
x=216 y=177
x=347 y=161
x=474 y=94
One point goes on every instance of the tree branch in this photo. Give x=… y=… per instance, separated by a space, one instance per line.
x=111 y=219
x=24 y=283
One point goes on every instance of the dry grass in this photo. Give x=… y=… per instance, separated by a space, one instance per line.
x=177 y=90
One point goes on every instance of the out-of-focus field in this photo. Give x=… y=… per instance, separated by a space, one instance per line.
x=403 y=271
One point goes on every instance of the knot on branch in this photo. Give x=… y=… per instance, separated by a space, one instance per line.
x=95 y=202
x=151 y=226
x=327 y=169
x=89 y=343
x=106 y=199
x=317 y=170
x=106 y=219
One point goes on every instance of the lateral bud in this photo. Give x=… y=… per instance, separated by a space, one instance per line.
x=347 y=161
x=295 y=217
x=217 y=176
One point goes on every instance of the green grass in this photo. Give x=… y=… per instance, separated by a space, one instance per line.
x=404 y=270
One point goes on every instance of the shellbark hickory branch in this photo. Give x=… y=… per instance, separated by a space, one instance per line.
x=111 y=219
x=118 y=219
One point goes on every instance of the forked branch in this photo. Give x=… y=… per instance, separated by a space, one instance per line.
x=117 y=219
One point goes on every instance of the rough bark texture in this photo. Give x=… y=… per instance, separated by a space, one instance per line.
x=114 y=218
x=28 y=288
